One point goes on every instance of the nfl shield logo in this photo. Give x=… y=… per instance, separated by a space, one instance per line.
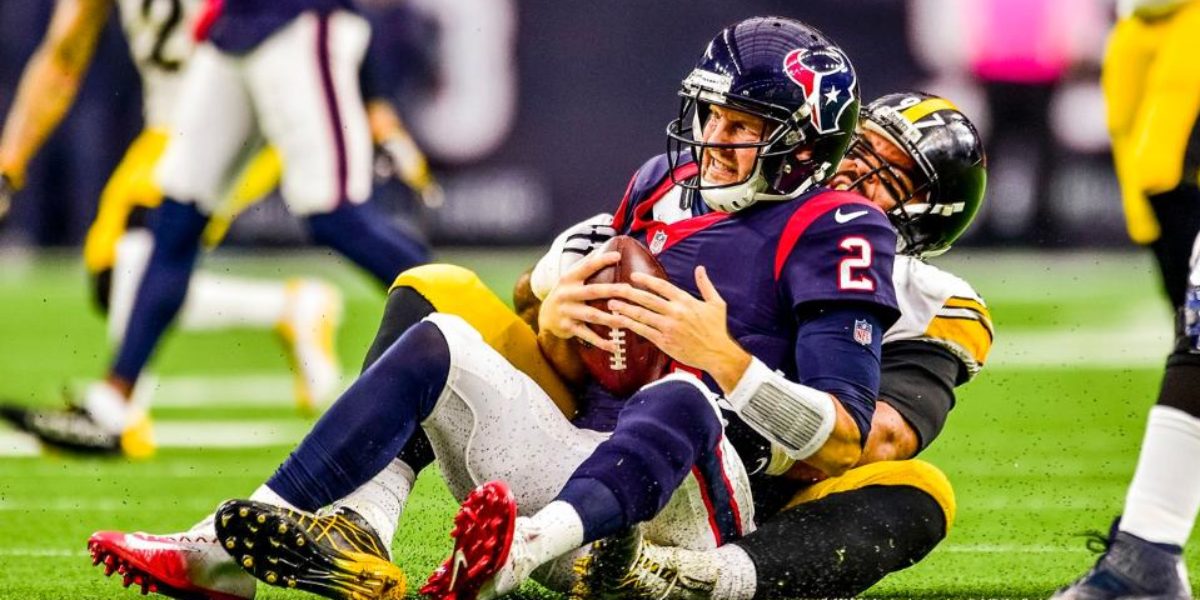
x=862 y=332
x=658 y=241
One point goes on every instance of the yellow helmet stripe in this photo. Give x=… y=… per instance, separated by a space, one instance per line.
x=926 y=107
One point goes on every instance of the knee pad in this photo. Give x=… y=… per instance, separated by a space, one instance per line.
x=912 y=473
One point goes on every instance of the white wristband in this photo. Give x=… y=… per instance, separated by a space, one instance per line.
x=798 y=418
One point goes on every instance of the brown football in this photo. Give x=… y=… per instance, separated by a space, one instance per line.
x=637 y=362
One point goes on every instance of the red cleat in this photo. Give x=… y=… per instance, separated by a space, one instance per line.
x=483 y=536
x=187 y=567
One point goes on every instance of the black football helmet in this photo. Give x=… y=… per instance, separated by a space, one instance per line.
x=791 y=76
x=951 y=167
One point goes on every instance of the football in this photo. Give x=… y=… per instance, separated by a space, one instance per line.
x=637 y=361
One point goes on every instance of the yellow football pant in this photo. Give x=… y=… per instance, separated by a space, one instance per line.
x=458 y=291
x=1151 y=82
x=132 y=185
x=913 y=473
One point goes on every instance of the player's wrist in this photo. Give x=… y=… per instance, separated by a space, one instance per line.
x=730 y=366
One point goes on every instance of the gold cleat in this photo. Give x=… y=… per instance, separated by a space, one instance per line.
x=336 y=556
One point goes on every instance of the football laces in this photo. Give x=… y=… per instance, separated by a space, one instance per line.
x=617 y=360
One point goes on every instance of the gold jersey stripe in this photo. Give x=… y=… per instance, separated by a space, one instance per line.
x=970 y=334
x=973 y=305
x=926 y=107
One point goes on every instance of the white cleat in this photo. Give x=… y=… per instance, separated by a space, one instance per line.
x=181 y=565
x=308 y=330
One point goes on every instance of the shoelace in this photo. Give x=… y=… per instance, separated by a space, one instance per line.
x=646 y=572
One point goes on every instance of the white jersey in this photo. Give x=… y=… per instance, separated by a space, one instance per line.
x=941 y=309
x=159 y=33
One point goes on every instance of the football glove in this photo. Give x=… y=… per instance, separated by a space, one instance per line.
x=7 y=189
x=568 y=248
x=399 y=157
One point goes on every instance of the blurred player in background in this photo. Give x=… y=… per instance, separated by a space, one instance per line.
x=1151 y=82
x=120 y=243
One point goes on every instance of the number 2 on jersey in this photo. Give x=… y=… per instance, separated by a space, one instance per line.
x=858 y=258
x=168 y=25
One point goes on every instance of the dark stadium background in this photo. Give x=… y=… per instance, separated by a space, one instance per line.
x=595 y=86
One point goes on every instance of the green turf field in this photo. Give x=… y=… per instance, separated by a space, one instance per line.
x=1040 y=448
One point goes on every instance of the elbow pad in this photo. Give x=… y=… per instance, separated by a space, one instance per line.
x=796 y=418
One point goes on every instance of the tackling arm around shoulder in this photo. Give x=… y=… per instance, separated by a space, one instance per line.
x=50 y=82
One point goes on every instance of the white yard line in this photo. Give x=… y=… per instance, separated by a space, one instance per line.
x=187 y=434
x=219 y=391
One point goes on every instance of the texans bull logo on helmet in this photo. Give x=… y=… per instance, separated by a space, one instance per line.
x=827 y=81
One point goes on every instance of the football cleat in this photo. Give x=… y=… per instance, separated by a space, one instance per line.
x=336 y=556
x=307 y=330
x=73 y=429
x=1130 y=567
x=489 y=557
x=626 y=566
x=185 y=566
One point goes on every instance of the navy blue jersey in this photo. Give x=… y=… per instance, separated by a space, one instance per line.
x=241 y=25
x=784 y=269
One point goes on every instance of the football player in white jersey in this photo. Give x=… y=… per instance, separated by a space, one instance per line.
x=1151 y=83
x=303 y=312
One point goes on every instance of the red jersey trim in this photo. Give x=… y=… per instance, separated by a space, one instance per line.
x=805 y=215
x=642 y=211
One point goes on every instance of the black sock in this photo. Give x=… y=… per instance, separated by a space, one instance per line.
x=405 y=308
x=844 y=543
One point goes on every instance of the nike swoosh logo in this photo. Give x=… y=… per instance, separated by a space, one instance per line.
x=459 y=564
x=847 y=217
x=761 y=466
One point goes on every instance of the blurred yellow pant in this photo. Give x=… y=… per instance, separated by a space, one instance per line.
x=1151 y=82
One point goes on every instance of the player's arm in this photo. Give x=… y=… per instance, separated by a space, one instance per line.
x=560 y=353
x=809 y=421
x=50 y=82
x=836 y=274
x=916 y=393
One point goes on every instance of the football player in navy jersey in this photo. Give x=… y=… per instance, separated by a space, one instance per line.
x=811 y=297
x=778 y=293
x=921 y=160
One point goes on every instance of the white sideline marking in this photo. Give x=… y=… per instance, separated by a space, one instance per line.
x=1142 y=341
